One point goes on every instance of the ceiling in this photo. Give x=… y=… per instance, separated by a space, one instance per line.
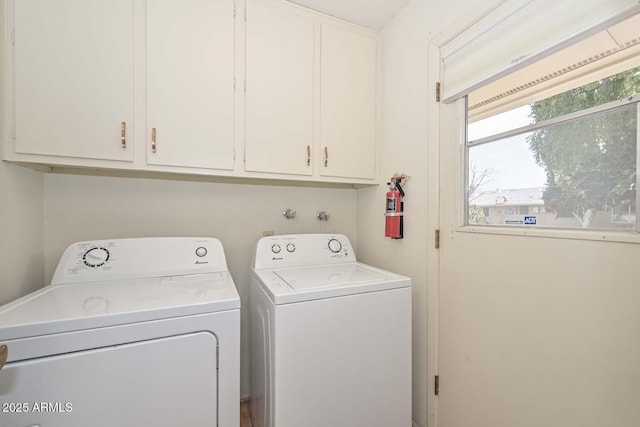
x=372 y=14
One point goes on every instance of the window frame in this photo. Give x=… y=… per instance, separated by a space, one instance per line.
x=455 y=118
x=600 y=234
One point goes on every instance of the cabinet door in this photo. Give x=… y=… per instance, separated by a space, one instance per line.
x=190 y=83
x=279 y=99
x=74 y=78
x=347 y=104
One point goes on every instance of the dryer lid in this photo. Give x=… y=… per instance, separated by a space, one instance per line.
x=64 y=308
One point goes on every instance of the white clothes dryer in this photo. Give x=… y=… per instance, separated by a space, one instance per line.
x=131 y=332
x=330 y=337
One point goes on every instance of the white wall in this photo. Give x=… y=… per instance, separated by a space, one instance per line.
x=404 y=95
x=90 y=207
x=21 y=214
x=21 y=232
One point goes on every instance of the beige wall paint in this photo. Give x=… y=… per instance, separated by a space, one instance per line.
x=90 y=207
x=21 y=232
x=404 y=99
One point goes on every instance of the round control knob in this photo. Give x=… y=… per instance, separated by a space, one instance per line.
x=291 y=247
x=276 y=249
x=96 y=257
x=335 y=245
x=201 y=251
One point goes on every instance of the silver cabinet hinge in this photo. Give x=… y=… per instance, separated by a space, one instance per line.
x=436 y=385
x=13 y=132
x=437 y=91
x=437 y=239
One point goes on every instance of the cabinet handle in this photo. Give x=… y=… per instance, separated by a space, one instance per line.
x=123 y=134
x=308 y=155
x=153 y=140
x=4 y=354
x=326 y=157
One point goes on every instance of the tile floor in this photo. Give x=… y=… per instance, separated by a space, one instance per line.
x=245 y=419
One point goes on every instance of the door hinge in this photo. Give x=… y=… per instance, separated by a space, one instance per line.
x=217 y=356
x=437 y=91
x=13 y=37
x=437 y=239
x=436 y=385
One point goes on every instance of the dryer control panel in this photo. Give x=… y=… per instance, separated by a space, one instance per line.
x=299 y=250
x=119 y=259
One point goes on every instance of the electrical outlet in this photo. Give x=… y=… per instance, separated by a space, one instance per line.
x=267 y=233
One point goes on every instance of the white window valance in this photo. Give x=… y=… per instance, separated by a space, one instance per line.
x=517 y=33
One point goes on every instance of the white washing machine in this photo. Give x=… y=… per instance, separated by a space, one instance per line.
x=131 y=332
x=331 y=337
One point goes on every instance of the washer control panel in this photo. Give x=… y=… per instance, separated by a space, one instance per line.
x=297 y=250
x=118 y=259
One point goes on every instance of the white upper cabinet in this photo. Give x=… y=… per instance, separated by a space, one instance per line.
x=279 y=90
x=246 y=89
x=347 y=103
x=190 y=72
x=73 y=78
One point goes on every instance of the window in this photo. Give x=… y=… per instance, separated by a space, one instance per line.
x=579 y=166
x=560 y=154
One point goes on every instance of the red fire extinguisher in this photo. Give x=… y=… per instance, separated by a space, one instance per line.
x=395 y=207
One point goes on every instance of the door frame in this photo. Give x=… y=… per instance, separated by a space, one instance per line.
x=433 y=224
x=434 y=220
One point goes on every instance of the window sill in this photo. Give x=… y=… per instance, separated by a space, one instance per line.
x=630 y=236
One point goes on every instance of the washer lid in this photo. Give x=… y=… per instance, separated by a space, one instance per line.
x=64 y=308
x=329 y=275
x=299 y=284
